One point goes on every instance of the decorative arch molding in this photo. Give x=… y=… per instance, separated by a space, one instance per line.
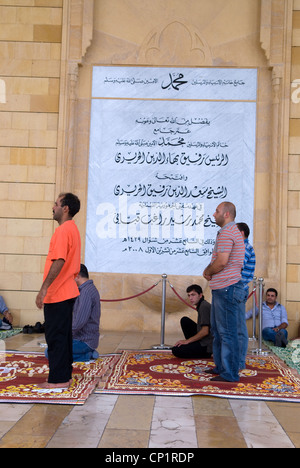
x=77 y=36
x=188 y=47
x=276 y=40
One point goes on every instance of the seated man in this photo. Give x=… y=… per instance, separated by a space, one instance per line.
x=6 y=322
x=86 y=318
x=274 y=320
x=198 y=339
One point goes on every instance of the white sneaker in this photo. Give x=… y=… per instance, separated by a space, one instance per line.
x=5 y=326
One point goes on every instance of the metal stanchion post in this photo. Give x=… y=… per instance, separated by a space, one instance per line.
x=163 y=316
x=253 y=310
x=2 y=351
x=259 y=350
x=260 y=292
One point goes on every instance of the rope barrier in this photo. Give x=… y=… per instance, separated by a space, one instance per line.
x=173 y=289
x=175 y=292
x=131 y=297
x=251 y=294
x=164 y=280
x=194 y=308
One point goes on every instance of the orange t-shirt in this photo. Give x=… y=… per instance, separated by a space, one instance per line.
x=65 y=244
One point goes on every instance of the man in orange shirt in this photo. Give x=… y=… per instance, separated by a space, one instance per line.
x=59 y=290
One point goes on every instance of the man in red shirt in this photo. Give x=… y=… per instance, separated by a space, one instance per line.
x=59 y=290
x=224 y=275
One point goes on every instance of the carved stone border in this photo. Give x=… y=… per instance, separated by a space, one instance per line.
x=276 y=41
x=77 y=37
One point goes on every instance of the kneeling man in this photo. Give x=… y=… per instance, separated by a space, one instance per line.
x=86 y=318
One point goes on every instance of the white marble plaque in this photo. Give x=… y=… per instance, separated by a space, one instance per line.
x=173 y=83
x=159 y=168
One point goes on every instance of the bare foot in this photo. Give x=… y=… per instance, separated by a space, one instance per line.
x=53 y=385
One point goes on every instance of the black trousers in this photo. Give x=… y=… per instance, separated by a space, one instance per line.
x=58 y=334
x=193 y=350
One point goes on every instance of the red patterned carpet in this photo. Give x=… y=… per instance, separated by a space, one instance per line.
x=160 y=373
x=22 y=373
x=143 y=372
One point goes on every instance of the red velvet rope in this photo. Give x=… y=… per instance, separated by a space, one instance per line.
x=253 y=292
x=194 y=308
x=173 y=289
x=186 y=303
x=131 y=297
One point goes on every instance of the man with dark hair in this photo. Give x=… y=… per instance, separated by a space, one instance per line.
x=198 y=339
x=250 y=259
x=247 y=276
x=274 y=319
x=71 y=201
x=86 y=318
x=59 y=290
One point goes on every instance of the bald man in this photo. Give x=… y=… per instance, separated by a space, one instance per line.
x=224 y=276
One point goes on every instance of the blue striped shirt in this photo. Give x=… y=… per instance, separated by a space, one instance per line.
x=86 y=315
x=249 y=264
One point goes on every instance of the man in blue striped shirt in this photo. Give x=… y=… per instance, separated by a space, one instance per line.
x=247 y=276
x=250 y=259
x=86 y=318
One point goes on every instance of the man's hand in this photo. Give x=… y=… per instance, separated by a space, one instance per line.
x=54 y=271
x=40 y=298
x=181 y=342
x=206 y=275
x=217 y=265
x=8 y=316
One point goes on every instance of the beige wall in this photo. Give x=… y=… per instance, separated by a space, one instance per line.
x=293 y=207
x=30 y=51
x=48 y=49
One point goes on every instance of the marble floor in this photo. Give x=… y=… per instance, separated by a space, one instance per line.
x=130 y=421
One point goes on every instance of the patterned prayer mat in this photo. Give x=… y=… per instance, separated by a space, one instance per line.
x=21 y=374
x=160 y=373
x=8 y=333
x=290 y=355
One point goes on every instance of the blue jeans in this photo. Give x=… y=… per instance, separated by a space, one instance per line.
x=81 y=352
x=269 y=334
x=243 y=332
x=225 y=321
